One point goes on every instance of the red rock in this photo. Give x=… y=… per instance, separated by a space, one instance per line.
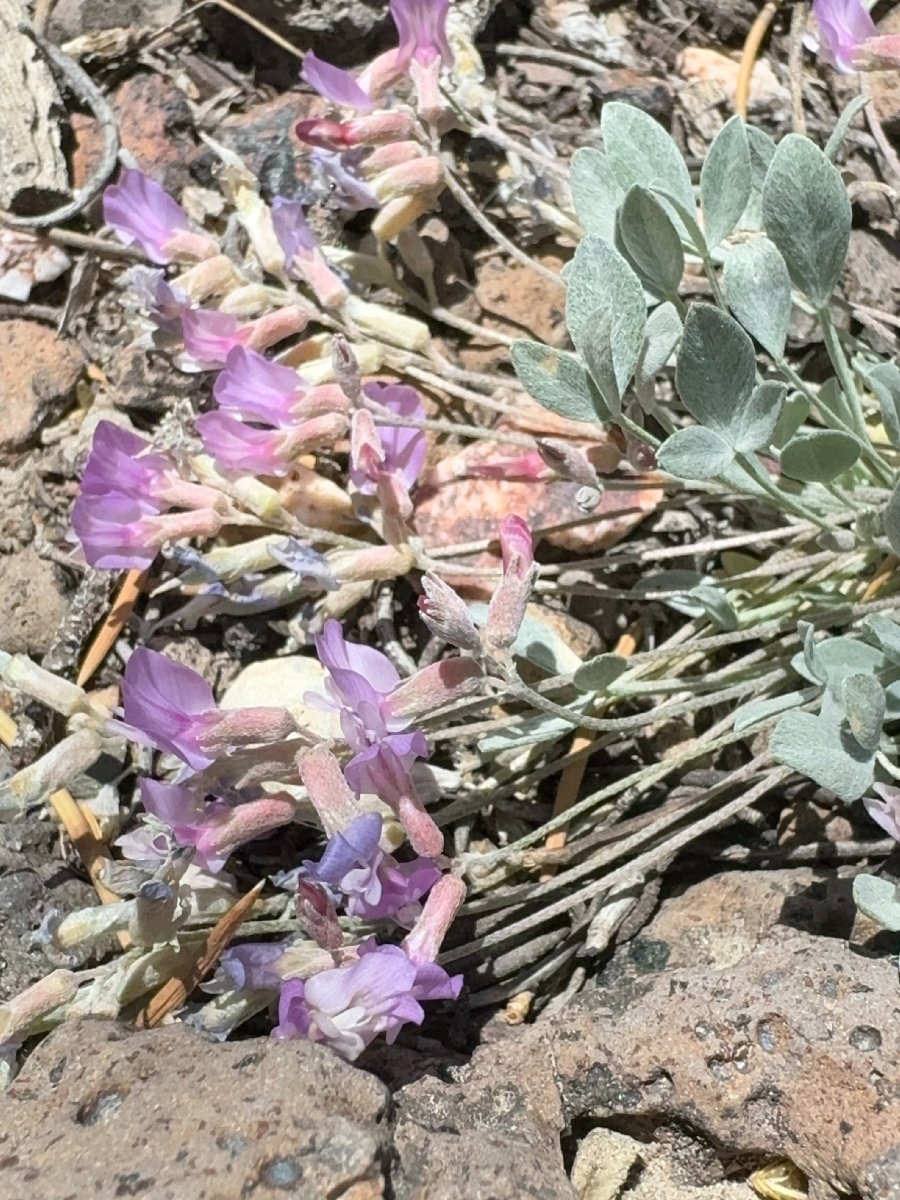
x=38 y=373
x=155 y=125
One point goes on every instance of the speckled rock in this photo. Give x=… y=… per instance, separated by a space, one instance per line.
x=38 y=373
x=100 y=1110
x=792 y=1051
x=32 y=603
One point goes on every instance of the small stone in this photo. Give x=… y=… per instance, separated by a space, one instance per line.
x=155 y=126
x=38 y=373
x=285 y=682
x=32 y=603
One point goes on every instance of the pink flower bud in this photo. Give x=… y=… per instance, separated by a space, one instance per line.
x=506 y=610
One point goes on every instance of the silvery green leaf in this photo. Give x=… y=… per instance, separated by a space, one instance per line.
x=794 y=412
x=833 y=660
x=716 y=370
x=599 y=274
x=754 y=428
x=535 y=641
x=807 y=215
x=639 y=150
x=595 y=192
x=863 y=700
x=809 y=664
x=885 y=632
x=878 y=899
x=725 y=181
x=820 y=456
x=892 y=520
x=758 y=291
x=818 y=748
x=884 y=380
x=830 y=398
x=556 y=380
x=610 y=334
x=694 y=453
x=762 y=150
x=684 y=220
x=598 y=673
x=845 y=120
x=716 y=605
x=760 y=710
x=661 y=336
x=650 y=242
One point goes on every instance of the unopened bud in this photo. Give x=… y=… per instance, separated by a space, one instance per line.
x=346 y=368
x=447 y=615
x=568 y=462
x=506 y=610
x=387 y=325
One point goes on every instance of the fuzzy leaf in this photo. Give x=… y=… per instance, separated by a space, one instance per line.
x=639 y=150
x=725 y=181
x=886 y=633
x=598 y=673
x=650 y=242
x=820 y=456
x=716 y=370
x=695 y=453
x=818 y=748
x=760 y=710
x=884 y=380
x=758 y=290
x=807 y=215
x=845 y=120
x=864 y=703
x=661 y=336
x=606 y=315
x=754 y=428
x=596 y=194
x=892 y=520
x=556 y=380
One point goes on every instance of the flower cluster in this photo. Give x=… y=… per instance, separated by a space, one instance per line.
x=351 y=990
x=317 y=456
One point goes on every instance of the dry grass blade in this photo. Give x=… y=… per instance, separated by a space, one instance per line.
x=174 y=993
x=84 y=834
x=114 y=623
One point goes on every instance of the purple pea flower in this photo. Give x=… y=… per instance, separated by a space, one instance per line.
x=886 y=809
x=422 y=29
x=149 y=289
x=349 y=1006
x=374 y=885
x=139 y=210
x=402 y=450
x=335 y=85
x=252 y=966
x=215 y=828
x=253 y=386
x=122 y=516
x=340 y=172
x=171 y=707
x=844 y=26
x=302 y=256
x=243 y=447
x=209 y=335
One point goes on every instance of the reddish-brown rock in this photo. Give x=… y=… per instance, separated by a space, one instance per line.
x=38 y=373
